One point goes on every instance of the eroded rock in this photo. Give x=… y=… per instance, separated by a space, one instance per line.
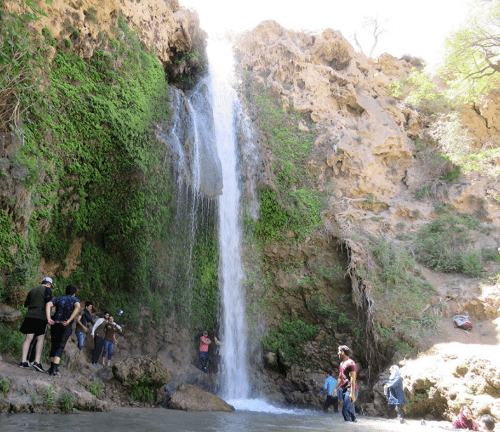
x=188 y=397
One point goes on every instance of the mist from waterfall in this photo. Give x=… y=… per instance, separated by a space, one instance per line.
x=234 y=376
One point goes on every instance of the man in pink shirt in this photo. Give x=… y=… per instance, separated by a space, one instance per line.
x=204 y=343
x=347 y=384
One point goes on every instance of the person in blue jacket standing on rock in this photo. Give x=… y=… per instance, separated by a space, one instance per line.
x=331 y=399
x=393 y=390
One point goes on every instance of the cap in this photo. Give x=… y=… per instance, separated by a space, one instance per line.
x=48 y=279
x=205 y=332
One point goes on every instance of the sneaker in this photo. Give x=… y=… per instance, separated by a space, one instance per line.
x=39 y=367
x=24 y=365
x=53 y=372
x=95 y=364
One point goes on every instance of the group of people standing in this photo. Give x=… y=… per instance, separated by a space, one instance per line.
x=345 y=389
x=59 y=313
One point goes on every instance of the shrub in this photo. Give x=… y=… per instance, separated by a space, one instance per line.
x=444 y=245
x=288 y=339
x=142 y=391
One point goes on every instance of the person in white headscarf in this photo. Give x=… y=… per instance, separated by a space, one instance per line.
x=393 y=389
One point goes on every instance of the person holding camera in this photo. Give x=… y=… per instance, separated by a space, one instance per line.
x=109 y=339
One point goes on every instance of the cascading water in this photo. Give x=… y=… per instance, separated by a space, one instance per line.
x=190 y=138
x=235 y=379
x=209 y=121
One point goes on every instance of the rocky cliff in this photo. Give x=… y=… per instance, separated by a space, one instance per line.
x=387 y=201
x=352 y=203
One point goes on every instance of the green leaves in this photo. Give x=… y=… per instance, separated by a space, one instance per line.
x=288 y=339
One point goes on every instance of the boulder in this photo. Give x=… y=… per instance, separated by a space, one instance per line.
x=131 y=370
x=188 y=397
x=8 y=314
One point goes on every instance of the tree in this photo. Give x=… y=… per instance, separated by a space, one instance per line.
x=375 y=27
x=472 y=61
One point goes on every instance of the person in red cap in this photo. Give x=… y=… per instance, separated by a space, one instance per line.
x=35 y=322
x=204 y=343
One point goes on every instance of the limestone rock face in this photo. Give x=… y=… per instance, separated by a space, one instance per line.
x=188 y=397
x=361 y=135
x=163 y=25
x=369 y=162
x=129 y=371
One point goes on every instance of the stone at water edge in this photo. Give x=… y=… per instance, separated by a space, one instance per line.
x=188 y=397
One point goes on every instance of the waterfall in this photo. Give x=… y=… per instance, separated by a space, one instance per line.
x=209 y=122
x=235 y=378
x=189 y=139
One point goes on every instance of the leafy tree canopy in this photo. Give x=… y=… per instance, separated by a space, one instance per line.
x=472 y=60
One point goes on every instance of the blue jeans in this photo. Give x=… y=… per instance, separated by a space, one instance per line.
x=108 y=347
x=81 y=339
x=203 y=358
x=348 y=410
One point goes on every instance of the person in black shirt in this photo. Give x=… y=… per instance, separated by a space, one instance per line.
x=82 y=324
x=67 y=307
x=35 y=322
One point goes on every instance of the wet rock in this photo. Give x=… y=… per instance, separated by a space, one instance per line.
x=188 y=397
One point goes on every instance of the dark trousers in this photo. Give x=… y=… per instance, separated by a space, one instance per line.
x=399 y=410
x=98 y=344
x=32 y=350
x=331 y=400
x=59 y=336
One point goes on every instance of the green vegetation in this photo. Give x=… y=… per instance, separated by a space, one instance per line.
x=97 y=175
x=66 y=401
x=142 y=390
x=288 y=339
x=296 y=205
x=470 y=71
x=11 y=340
x=401 y=295
x=49 y=397
x=4 y=386
x=446 y=245
x=95 y=388
x=289 y=215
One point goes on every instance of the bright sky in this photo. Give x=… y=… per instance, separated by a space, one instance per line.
x=412 y=27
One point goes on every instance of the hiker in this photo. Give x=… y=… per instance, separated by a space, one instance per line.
x=204 y=343
x=393 y=390
x=219 y=353
x=331 y=399
x=109 y=340
x=347 y=383
x=464 y=419
x=82 y=324
x=488 y=422
x=66 y=309
x=35 y=323
x=98 y=334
